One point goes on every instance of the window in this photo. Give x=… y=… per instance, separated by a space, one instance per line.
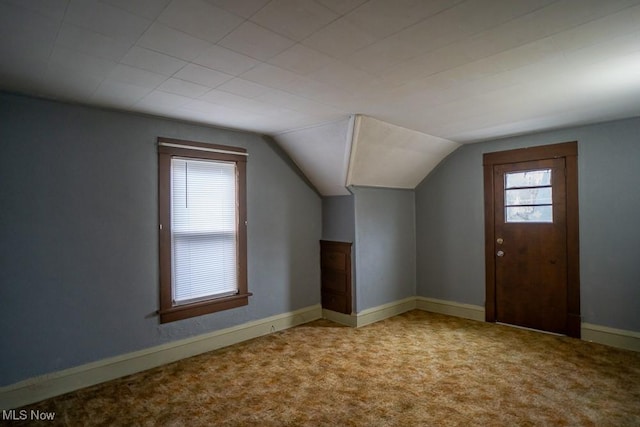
x=202 y=213
x=528 y=196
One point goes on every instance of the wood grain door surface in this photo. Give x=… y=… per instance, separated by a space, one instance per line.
x=531 y=238
x=531 y=260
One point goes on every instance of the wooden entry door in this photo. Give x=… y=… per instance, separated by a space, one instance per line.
x=531 y=238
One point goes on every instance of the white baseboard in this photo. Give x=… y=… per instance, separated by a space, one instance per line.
x=620 y=338
x=371 y=315
x=466 y=311
x=385 y=311
x=341 y=318
x=43 y=387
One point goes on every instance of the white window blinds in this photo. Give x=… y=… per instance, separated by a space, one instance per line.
x=203 y=226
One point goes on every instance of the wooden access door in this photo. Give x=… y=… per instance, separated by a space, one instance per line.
x=335 y=275
x=531 y=238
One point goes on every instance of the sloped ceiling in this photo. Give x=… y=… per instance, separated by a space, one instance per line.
x=322 y=153
x=363 y=151
x=385 y=155
x=461 y=70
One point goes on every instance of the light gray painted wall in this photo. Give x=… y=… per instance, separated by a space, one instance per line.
x=450 y=221
x=339 y=224
x=79 y=241
x=385 y=245
x=338 y=218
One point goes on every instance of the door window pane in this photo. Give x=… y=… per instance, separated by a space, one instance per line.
x=529 y=214
x=528 y=196
x=534 y=178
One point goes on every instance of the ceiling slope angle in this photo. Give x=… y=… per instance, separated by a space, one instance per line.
x=390 y=156
x=322 y=153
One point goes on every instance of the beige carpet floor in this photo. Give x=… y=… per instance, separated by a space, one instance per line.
x=416 y=369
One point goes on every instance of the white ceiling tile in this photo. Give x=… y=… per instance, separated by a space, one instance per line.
x=215 y=113
x=324 y=93
x=283 y=99
x=228 y=118
x=91 y=43
x=150 y=9
x=225 y=98
x=217 y=116
x=322 y=152
x=550 y=20
x=79 y=64
x=199 y=105
x=504 y=61
x=244 y=8
x=272 y=76
x=106 y=19
x=52 y=8
x=342 y=6
x=25 y=33
x=115 y=94
x=199 y=19
x=554 y=67
x=237 y=102
x=474 y=17
x=424 y=65
x=295 y=19
x=172 y=42
x=451 y=54
x=244 y=88
x=202 y=75
x=255 y=41
x=605 y=51
x=150 y=60
x=162 y=100
x=301 y=59
x=339 y=39
x=183 y=88
x=346 y=77
x=225 y=60
x=599 y=30
x=293 y=102
x=71 y=86
x=439 y=31
x=131 y=75
x=377 y=58
x=386 y=155
x=382 y=18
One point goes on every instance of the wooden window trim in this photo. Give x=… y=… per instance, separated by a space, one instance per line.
x=181 y=148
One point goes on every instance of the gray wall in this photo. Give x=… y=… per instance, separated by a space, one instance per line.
x=338 y=218
x=385 y=246
x=339 y=224
x=450 y=221
x=79 y=241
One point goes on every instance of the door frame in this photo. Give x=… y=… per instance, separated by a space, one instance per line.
x=568 y=151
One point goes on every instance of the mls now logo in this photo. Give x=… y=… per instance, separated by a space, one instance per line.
x=23 y=414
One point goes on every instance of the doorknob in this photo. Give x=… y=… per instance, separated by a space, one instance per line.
x=500 y=253
x=499 y=240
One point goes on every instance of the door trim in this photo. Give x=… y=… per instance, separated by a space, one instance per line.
x=569 y=151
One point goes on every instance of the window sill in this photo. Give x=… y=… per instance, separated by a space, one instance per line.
x=203 y=307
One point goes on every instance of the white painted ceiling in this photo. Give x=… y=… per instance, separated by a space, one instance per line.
x=385 y=155
x=460 y=70
x=322 y=153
